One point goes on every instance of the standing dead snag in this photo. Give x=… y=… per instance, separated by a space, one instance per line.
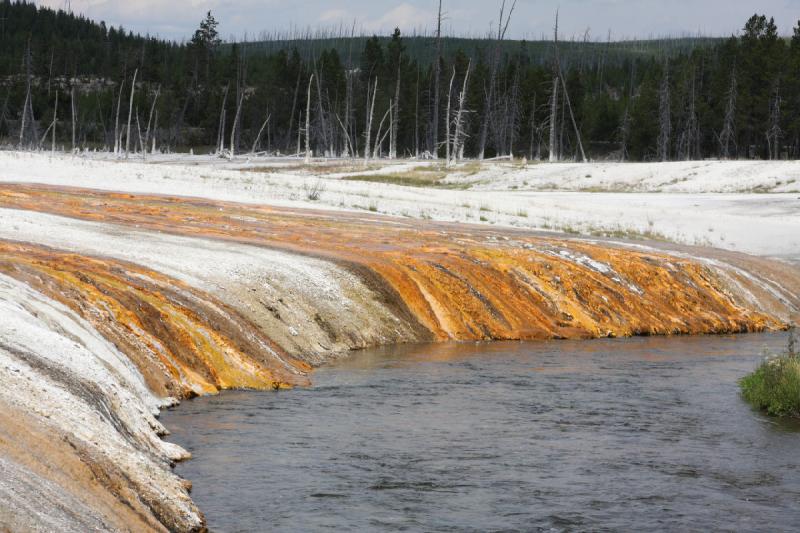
x=447 y=121
x=664 y=117
x=130 y=114
x=221 y=134
x=117 y=146
x=554 y=155
x=370 y=114
x=395 y=123
x=27 y=108
x=502 y=28
x=74 y=112
x=149 y=122
x=774 y=132
x=235 y=123
x=728 y=129
x=55 y=121
x=458 y=143
x=260 y=131
x=308 y=121
x=436 y=77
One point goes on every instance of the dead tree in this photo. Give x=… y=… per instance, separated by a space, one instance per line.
x=117 y=137
x=370 y=115
x=27 y=109
x=149 y=122
x=664 y=117
x=130 y=113
x=728 y=133
x=689 y=137
x=436 y=77
x=502 y=28
x=308 y=121
x=291 y=115
x=235 y=123
x=774 y=132
x=260 y=131
x=395 y=124
x=221 y=133
x=55 y=122
x=376 y=152
x=554 y=156
x=155 y=129
x=74 y=115
x=447 y=118
x=416 y=118
x=458 y=141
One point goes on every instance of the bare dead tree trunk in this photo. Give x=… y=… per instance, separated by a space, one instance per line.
x=458 y=151
x=554 y=155
x=27 y=108
x=774 y=132
x=235 y=124
x=436 y=77
x=291 y=116
x=55 y=122
x=348 y=99
x=370 y=114
x=24 y=117
x=395 y=118
x=416 y=118
x=729 y=126
x=664 y=117
x=155 y=132
x=308 y=121
x=378 y=139
x=149 y=122
x=130 y=112
x=74 y=115
x=116 y=123
x=572 y=117
x=448 y=139
x=533 y=127
x=221 y=134
x=502 y=28
x=142 y=145
x=299 y=132
x=260 y=131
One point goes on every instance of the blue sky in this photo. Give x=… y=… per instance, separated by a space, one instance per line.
x=624 y=18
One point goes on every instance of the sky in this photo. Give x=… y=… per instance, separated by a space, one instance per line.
x=177 y=19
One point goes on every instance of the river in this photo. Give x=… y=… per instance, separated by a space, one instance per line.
x=626 y=434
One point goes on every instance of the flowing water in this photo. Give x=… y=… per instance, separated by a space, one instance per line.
x=635 y=434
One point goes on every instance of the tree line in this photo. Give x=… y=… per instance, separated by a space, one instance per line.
x=69 y=82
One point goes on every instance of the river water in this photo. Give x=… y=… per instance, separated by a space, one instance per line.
x=633 y=434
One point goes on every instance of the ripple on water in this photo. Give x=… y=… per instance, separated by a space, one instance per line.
x=602 y=435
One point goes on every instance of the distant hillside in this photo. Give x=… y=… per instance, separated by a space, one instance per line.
x=423 y=48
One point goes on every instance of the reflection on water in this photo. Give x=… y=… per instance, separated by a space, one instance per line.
x=634 y=434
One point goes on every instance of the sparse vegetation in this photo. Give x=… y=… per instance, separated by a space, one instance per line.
x=775 y=385
x=314 y=191
x=415 y=178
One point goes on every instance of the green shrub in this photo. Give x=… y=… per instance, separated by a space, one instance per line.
x=775 y=384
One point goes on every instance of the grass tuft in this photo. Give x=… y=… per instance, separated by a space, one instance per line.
x=775 y=384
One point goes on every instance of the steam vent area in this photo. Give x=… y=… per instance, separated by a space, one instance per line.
x=116 y=305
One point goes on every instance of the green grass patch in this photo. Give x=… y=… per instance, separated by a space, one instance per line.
x=775 y=385
x=416 y=178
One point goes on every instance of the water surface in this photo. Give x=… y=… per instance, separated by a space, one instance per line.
x=634 y=434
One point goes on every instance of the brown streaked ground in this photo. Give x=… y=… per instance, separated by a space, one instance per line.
x=459 y=282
